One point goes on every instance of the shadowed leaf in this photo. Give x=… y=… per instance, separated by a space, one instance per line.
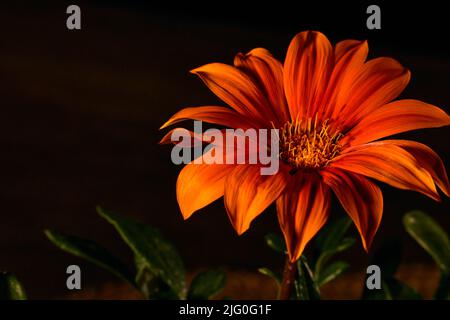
x=331 y=235
x=306 y=287
x=207 y=284
x=276 y=242
x=160 y=256
x=11 y=288
x=90 y=251
x=325 y=256
x=430 y=236
x=271 y=274
x=331 y=272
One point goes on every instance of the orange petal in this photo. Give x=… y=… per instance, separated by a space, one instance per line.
x=200 y=184
x=390 y=164
x=380 y=81
x=307 y=70
x=212 y=114
x=397 y=117
x=343 y=48
x=350 y=56
x=236 y=89
x=167 y=139
x=302 y=210
x=268 y=73
x=361 y=198
x=248 y=193
x=427 y=159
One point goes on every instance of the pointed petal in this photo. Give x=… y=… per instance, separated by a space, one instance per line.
x=267 y=72
x=360 y=197
x=397 y=117
x=307 y=69
x=427 y=159
x=167 y=139
x=350 y=56
x=380 y=81
x=248 y=193
x=343 y=48
x=199 y=185
x=302 y=210
x=390 y=164
x=212 y=114
x=236 y=89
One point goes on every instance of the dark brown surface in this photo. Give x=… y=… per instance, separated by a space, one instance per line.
x=81 y=112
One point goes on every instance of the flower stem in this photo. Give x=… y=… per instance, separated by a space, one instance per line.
x=287 y=283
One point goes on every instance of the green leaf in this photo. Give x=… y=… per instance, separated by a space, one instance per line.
x=306 y=287
x=300 y=285
x=430 y=236
x=326 y=255
x=11 y=288
x=149 y=285
x=207 y=284
x=160 y=256
x=276 y=242
x=90 y=251
x=443 y=290
x=145 y=280
x=332 y=234
x=332 y=272
x=270 y=273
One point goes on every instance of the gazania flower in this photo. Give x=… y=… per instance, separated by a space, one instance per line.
x=331 y=107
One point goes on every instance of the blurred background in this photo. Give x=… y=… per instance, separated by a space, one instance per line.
x=81 y=112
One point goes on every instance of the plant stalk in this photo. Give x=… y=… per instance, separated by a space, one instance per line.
x=290 y=269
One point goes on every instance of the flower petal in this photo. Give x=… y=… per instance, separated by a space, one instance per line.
x=396 y=117
x=267 y=72
x=307 y=69
x=200 y=184
x=427 y=159
x=350 y=56
x=302 y=210
x=380 y=81
x=387 y=163
x=248 y=193
x=346 y=47
x=212 y=114
x=236 y=89
x=194 y=137
x=361 y=198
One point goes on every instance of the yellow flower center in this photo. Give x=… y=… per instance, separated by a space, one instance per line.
x=306 y=144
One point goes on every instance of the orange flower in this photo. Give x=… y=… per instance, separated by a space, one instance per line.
x=330 y=105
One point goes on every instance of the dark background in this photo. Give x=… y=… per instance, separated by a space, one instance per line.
x=81 y=112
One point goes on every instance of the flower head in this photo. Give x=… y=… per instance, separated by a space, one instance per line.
x=331 y=107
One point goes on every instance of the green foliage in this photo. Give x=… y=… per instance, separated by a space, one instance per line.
x=160 y=272
x=387 y=257
x=207 y=284
x=331 y=272
x=11 y=288
x=90 y=251
x=267 y=272
x=329 y=242
x=431 y=237
x=305 y=285
x=276 y=242
x=154 y=251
